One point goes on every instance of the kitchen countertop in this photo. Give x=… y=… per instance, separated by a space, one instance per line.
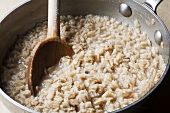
x=163 y=11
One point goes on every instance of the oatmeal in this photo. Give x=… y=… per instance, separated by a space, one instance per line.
x=113 y=66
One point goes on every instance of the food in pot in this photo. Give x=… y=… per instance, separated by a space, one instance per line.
x=113 y=66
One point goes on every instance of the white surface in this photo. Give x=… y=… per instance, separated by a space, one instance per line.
x=7 y=5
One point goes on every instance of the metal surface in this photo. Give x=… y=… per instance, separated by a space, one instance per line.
x=158 y=37
x=125 y=10
x=18 y=23
x=153 y=4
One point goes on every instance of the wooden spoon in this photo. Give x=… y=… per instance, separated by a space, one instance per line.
x=48 y=52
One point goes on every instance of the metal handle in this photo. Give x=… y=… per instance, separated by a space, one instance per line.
x=153 y=4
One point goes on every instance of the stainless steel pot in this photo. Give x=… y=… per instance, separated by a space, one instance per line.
x=23 y=18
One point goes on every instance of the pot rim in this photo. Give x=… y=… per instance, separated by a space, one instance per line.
x=13 y=9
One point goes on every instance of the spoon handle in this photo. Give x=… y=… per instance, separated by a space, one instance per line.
x=53 y=19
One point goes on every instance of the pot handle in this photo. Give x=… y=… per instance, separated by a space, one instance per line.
x=153 y=4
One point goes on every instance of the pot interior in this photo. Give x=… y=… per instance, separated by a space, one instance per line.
x=28 y=15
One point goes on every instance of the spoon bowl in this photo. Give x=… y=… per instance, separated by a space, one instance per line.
x=48 y=52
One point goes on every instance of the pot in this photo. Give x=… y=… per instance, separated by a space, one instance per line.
x=24 y=18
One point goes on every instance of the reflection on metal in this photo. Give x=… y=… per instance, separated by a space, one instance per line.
x=158 y=37
x=125 y=10
x=153 y=4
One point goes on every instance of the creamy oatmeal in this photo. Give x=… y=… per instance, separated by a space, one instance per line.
x=113 y=66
